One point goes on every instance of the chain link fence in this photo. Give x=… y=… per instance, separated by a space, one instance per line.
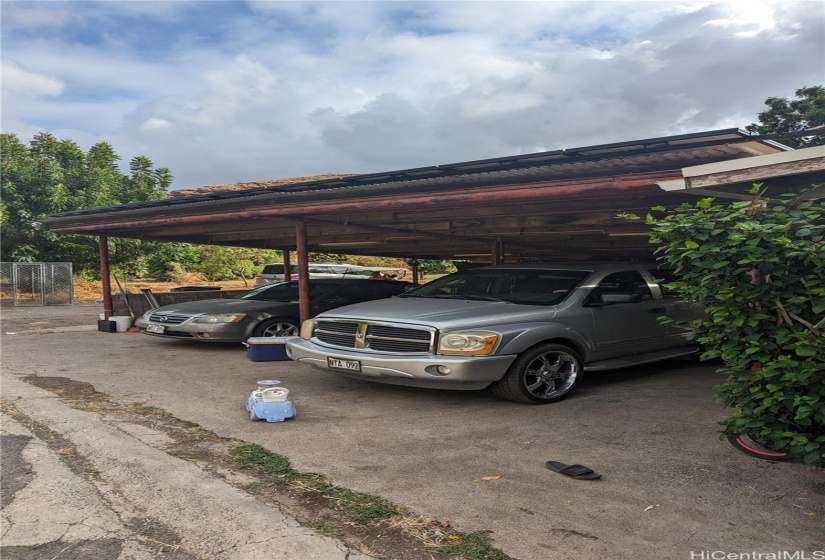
x=36 y=283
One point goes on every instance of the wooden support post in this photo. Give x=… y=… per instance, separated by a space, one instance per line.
x=413 y=264
x=103 y=252
x=497 y=251
x=287 y=266
x=303 y=270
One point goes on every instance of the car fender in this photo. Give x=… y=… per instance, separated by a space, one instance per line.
x=516 y=338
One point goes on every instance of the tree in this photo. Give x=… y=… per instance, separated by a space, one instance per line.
x=223 y=263
x=804 y=113
x=51 y=176
x=758 y=267
x=104 y=179
x=144 y=183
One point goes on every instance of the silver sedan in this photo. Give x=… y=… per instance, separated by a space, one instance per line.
x=270 y=310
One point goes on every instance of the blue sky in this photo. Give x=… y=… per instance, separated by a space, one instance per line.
x=223 y=92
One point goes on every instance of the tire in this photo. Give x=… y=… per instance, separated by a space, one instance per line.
x=750 y=446
x=279 y=326
x=541 y=375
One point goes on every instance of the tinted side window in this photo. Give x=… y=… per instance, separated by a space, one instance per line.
x=357 y=292
x=275 y=292
x=273 y=269
x=624 y=282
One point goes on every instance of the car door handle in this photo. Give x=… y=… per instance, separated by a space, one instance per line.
x=656 y=310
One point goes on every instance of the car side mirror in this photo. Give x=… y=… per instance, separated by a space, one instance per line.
x=612 y=298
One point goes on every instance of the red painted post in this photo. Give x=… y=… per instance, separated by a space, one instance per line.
x=103 y=251
x=303 y=270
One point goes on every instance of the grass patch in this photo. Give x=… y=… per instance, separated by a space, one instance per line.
x=250 y=455
x=356 y=507
x=472 y=546
x=146 y=410
x=362 y=508
x=324 y=529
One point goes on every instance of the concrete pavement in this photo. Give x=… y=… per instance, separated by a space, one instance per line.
x=669 y=487
x=123 y=484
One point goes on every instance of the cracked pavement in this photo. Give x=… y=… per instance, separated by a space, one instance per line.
x=75 y=485
x=669 y=486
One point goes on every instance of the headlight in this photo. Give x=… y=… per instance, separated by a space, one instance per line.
x=306 y=328
x=222 y=318
x=476 y=343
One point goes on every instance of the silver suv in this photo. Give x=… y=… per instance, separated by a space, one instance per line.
x=526 y=331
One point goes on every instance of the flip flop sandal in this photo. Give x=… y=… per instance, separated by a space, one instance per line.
x=573 y=471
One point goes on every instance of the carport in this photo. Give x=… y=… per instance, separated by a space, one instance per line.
x=556 y=205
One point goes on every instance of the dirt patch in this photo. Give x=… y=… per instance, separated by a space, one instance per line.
x=89 y=292
x=406 y=537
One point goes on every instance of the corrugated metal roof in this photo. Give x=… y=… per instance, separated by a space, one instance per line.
x=624 y=157
x=560 y=204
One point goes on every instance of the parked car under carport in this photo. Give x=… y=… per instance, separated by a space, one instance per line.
x=270 y=310
x=526 y=331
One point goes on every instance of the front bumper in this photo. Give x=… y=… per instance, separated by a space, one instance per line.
x=202 y=332
x=467 y=372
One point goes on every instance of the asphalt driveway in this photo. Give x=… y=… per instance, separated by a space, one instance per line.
x=669 y=487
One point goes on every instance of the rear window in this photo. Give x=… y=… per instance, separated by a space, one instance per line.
x=278 y=269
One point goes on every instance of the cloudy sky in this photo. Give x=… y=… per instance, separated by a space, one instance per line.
x=233 y=91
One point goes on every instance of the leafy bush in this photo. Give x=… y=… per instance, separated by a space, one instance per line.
x=759 y=268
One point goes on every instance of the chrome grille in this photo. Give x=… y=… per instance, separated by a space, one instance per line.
x=374 y=336
x=168 y=318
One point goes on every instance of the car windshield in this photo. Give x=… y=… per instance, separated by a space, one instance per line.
x=521 y=286
x=285 y=291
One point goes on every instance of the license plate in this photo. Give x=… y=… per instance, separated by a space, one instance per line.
x=157 y=329
x=348 y=365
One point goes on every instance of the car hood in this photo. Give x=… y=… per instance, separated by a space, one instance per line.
x=441 y=313
x=212 y=306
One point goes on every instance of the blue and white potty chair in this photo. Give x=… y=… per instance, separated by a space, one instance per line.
x=270 y=403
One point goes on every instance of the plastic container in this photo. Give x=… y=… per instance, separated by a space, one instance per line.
x=266 y=349
x=123 y=322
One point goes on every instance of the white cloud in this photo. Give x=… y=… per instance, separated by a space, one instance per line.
x=154 y=123
x=19 y=82
x=227 y=91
